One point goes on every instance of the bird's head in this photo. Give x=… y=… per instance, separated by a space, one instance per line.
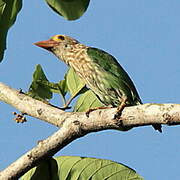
x=60 y=45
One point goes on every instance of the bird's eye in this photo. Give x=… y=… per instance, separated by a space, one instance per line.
x=61 y=37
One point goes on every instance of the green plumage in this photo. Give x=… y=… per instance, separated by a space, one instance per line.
x=115 y=80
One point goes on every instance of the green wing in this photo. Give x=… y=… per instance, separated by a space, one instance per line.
x=115 y=75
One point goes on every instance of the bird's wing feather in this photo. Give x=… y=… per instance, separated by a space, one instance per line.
x=116 y=76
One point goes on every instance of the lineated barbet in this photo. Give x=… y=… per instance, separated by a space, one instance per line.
x=100 y=71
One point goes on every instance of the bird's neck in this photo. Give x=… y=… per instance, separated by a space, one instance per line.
x=74 y=54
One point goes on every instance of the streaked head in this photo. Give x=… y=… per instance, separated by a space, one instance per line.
x=60 y=45
x=58 y=40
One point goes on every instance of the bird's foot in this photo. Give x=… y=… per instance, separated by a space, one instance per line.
x=96 y=108
x=121 y=107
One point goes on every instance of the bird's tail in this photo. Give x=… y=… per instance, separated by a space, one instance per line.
x=157 y=127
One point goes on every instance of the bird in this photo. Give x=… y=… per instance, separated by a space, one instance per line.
x=100 y=71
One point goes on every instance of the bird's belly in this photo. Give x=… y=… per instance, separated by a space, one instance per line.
x=108 y=96
x=97 y=83
x=108 y=99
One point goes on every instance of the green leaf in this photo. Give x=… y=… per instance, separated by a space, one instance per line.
x=59 y=88
x=39 y=88
x=87 y=101
x=63 y=87
x=80 y=168
x=8 y=12
x=69 y=9
x=74 y=83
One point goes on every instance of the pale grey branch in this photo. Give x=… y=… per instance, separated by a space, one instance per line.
x=75 y=125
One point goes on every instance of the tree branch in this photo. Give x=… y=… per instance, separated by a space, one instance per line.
x=75 y=125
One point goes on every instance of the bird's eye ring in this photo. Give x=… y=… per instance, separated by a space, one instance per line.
x=61 y=37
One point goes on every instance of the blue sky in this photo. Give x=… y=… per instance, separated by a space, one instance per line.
x=143 y=36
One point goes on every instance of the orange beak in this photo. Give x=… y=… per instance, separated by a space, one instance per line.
x=48 y=44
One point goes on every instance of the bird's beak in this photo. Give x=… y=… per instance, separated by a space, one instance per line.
x=48 y=44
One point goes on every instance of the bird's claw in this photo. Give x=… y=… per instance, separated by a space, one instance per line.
x=89 y=111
